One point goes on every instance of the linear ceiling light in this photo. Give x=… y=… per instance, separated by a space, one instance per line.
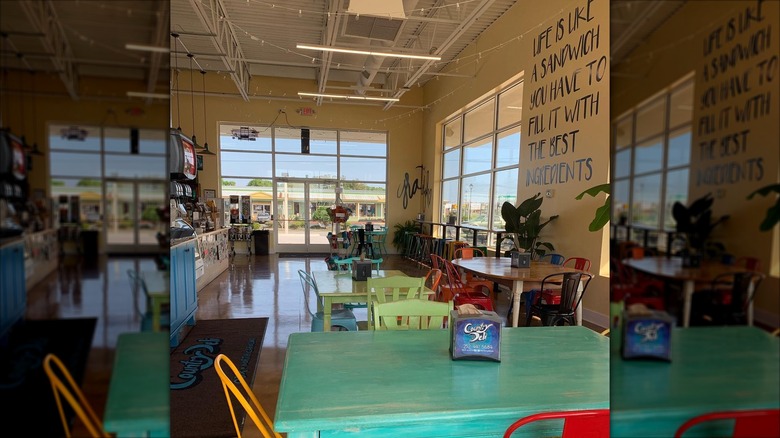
x=144 y=48
x=149 y=95
x=349 y=96
x=367 y=52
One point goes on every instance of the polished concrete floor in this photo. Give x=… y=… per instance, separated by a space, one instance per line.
x=93 y=288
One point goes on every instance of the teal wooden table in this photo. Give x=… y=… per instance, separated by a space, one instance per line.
x=404 y=384
x=712 y=368
x=138 y=394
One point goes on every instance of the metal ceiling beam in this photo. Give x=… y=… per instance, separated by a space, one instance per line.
x=44 y=19
x=328 y=37
x=451 y=39
x=218 y=23
x=161 y=32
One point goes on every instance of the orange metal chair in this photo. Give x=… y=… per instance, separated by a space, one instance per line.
x=254 y=410
x=756 y=423
x=63 y=385
x=589 y=423
x=432 y=281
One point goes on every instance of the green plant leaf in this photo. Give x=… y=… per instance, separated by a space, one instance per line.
x=530 y=205
x=595 y=190
x=602 y=217
x=772 y=213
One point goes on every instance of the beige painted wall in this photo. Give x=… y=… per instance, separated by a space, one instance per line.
x=102 y=102
x=511 y=39
x=674 y=51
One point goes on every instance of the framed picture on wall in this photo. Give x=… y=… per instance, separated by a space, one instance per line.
x=200 y=162
x=209 y=193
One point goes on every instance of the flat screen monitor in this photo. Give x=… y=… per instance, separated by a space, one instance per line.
x=183 y=158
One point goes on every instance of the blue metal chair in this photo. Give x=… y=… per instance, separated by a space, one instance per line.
x=555 y=259
x=343 y=319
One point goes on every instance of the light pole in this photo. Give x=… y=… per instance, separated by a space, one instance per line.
x=471 y=189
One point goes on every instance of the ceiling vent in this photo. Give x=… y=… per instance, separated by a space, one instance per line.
x=372 y=27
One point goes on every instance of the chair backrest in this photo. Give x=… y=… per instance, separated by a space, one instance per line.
x=63 y=386
x=467 y=252
x=137 y=283
x=569 y=282
x=749 y=263
x=555 y=259
x=432 y=280
x=451 y=279
x=244 y=395
x=343 y=264
x=741 y=291
x=376 y=263
x=758 y=423
x=589 y=423
x=411 y=314
x=580 y=263
x=307 y=284
x=402 y=287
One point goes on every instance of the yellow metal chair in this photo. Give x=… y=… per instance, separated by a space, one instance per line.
x=266 y=426
x=411 y=314
x=63 y=385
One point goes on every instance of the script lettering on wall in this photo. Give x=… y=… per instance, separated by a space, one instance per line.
x=735 y=97
x=567 y=92
x=407 y=190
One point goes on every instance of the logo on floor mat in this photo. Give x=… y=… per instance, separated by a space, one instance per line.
x=201 y=358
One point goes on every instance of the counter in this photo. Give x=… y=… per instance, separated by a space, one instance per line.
x=214 y=252
x=13 y=293
x=41 y=251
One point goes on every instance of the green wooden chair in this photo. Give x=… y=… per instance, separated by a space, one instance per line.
x=411 y=314
x=389 y=289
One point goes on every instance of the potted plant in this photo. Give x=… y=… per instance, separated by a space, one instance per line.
x=523 y=225
x=400 y=232
x=602 y=213
x=694 y=225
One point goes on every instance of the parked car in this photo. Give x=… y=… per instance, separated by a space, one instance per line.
x=263 y=217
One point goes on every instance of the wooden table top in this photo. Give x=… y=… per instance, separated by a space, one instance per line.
x=712 y=368
x=138 y=394
x=501 y=268
x=341 y=282
x=393 y=383
x=671 y=268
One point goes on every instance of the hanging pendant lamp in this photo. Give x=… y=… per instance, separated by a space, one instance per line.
x=35 y=150
x=192 y=104
x=176 y=77
x=206 y=150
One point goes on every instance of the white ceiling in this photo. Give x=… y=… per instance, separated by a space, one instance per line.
x=80 y=38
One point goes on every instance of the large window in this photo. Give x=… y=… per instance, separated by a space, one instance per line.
x=481 y=159
x=651 y=159
x=358 y=159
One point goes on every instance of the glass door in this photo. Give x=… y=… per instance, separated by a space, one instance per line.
x=131 y=222
x=301 y=221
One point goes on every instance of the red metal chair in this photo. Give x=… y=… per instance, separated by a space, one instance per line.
x=630 y=288
x=467 y=252
x=453 y=288
x=580 y=263
x=756 y=423
x=589 y=423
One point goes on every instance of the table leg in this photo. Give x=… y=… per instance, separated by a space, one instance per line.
x=751 y=290
x=688 y=287
x=517 y=290
x=578 y=311
x=326 y=313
